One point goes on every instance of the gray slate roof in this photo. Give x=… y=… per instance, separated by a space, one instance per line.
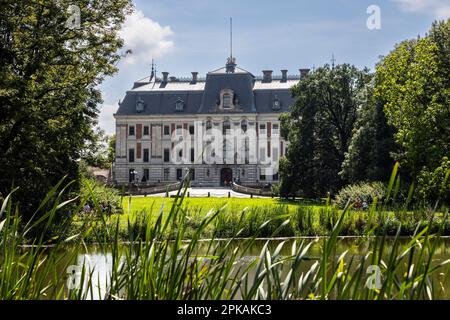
x=202 y=97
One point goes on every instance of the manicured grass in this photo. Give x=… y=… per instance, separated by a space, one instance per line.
x=152 y=206
x=133 y=205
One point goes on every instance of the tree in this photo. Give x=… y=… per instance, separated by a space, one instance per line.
x=49 y=72
x=370 y=154
x=319 y=128
x=111 y=149
x=415 y=84
x=99 y=150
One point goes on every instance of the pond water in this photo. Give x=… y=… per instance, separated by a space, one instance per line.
x=101 y=262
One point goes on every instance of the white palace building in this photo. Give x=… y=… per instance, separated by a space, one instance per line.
x=221 y=128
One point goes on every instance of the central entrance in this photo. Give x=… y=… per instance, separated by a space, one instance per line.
x=226 y=176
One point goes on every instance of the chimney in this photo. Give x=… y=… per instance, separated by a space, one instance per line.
x=284 y=75
x=194 y=77
x=303 y=73
x=165 y=77
x=267 y=76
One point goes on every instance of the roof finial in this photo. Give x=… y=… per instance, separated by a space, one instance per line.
x=333 y=60
x=153 y=74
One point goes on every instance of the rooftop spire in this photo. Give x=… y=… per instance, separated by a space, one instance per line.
x=333 y=60
x=231 y=62
x=231 y=37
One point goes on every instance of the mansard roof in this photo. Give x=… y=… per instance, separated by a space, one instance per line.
x=252 y=94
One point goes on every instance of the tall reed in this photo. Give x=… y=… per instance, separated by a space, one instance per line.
x=157 y=263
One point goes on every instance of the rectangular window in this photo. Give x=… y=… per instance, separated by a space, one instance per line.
x=192 y=155
x=166 y=174
x=262 y=129
x=130 y=155
x=275 y=177
x=146 y=130
x=179 y=174
x=167 y=130
x=146 y=155
x=262 y=177
x=146 y=176
x=275 y=129
x=275 y=154
x=131 y=130
x=166 y=155
x=191 y=130
x=262 y=154
x=192 y=174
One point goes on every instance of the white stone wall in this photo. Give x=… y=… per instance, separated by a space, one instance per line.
x=246 y=165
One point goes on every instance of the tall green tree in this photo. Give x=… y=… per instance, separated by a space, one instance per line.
x=371 y=154
x=50 y=68
x=319 y=128
x=414 y=82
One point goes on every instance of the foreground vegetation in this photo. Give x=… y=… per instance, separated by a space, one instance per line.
x=158 y=264
x=289 y=219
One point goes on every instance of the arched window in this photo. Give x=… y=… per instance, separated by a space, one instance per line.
x=276 y=103
x=227 y=100
x=140 y=106
x=208 y=126
x=226 y=127
x=244 y=125
x=179 y=105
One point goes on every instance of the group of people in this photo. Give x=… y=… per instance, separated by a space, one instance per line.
x=103 y=208
x=363 y=205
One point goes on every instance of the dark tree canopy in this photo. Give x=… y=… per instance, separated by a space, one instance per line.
x=370 y=154
x=319 y=129
x=49 y=72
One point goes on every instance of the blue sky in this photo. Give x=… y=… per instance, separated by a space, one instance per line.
x=193 y=35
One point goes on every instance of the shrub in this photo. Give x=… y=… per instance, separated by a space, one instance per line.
x=435 y=185
x=107 y=198
x=360 y=193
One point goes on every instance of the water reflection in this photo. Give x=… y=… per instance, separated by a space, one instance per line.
x=99 y=263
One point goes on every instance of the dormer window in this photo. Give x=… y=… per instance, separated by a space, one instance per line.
x=227 y=101
x=179 y=105
x=140 y=106
x=276 y=103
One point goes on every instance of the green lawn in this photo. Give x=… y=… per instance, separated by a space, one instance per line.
x=134 y=206
x=205 y=204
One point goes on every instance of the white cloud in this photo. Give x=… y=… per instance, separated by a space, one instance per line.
x=440 y=9
x=145 y=37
